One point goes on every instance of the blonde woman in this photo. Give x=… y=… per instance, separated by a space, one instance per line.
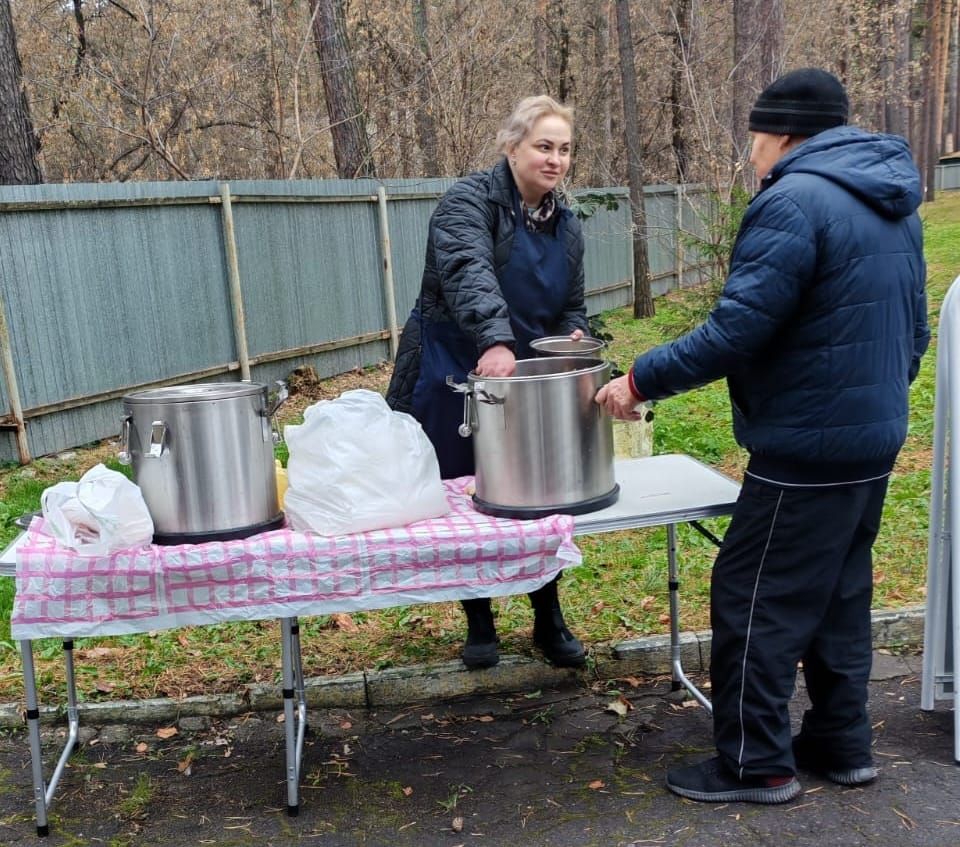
x=504 y=266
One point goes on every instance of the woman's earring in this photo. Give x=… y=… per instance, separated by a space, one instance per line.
x=513 y=161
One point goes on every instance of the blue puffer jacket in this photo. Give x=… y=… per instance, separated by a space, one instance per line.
x=822 y=321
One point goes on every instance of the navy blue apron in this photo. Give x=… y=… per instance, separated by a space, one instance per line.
x=534 y=284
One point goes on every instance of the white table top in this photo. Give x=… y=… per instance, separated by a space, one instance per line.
x=661 y=490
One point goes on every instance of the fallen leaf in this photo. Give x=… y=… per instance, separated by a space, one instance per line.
x=343 y=621
x=143 y=747
x=167 y=732
x=184 y=766
x=346 y=725
x=104 y=687
x=95 y=652
x=100 y=764
x=617 y=707
x=599 y=606
x=182 y=640
x=281 y=717
x=632 y=681
x=407 y=791
x=647 y=602
x=664 y=619
x=596 y=785
x=457 y=824
x=485 y=718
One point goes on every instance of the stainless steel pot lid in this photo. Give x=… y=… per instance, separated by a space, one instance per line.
x=196 y=393
x=549 y=367
x=563 y=345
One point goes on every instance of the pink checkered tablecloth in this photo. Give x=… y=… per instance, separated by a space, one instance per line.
x=285 y=574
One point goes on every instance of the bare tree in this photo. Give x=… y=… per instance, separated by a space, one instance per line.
x=426 y=126
x=18 y=142
x=951 y=122
x=940 y=15
x=680 y=14
x=757 y=60
x=351 y=147
x=642 y=295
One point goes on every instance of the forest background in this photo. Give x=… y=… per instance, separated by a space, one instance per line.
x=105 y=90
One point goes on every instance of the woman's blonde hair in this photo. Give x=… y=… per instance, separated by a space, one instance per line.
x=527 y=112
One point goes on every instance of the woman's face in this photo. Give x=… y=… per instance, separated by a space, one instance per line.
x=542 y=158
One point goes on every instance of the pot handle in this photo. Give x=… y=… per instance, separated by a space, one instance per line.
x=275 y=400
x=469 y=425
x=158 y=434
x=123 y=454
x=645 y=408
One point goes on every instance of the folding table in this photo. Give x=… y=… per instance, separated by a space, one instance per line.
x=501 y=557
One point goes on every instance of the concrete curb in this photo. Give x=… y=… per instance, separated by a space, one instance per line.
x=419 y=683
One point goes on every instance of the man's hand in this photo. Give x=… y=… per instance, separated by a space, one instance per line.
x=497 y=361
x=618 y=401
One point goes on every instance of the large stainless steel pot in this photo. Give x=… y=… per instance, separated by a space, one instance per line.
x=203 y=458
x=541 y=444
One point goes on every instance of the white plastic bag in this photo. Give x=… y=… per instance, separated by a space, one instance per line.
x=357 y=465
x=102 y=512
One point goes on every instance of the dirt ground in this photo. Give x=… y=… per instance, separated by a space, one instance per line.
x=536 y=768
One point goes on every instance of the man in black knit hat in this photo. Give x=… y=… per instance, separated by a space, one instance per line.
x=819 y=331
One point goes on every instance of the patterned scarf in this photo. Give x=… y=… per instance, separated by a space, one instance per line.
x=541 y=218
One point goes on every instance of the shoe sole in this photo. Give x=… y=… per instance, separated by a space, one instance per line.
x=853 y=777
x=769 y=796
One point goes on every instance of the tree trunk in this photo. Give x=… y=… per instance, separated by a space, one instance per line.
x=896 y=108
x=642 y=295
x=558 y=63
x=595 y=115
x=681 y=24
x=757 y=59
x=426 y=126
x=351 y=147
x=951 y=124
x=933 y=90
x=18 y=142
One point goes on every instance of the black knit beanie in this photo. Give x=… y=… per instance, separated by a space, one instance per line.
x=802 y=102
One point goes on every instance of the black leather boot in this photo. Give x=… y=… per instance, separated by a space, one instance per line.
x=550 y=632
x=480 y=649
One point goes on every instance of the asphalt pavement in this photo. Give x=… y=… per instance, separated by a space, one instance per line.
x=574 y=764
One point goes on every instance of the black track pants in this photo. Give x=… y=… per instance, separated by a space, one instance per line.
x=793 y=581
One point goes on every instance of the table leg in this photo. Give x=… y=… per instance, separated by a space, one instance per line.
x=680 y=679
x=294 y=719
x=43 y=794
x=33 y=732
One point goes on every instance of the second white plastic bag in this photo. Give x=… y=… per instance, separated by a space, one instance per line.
x=356 y=465
x=102 y=512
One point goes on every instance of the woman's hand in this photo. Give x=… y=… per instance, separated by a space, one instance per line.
x=618 y=401
x=576 y=335
x=497 y=361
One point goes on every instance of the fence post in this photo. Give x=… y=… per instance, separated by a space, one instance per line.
x=677 y=236
x=388 y=288
x=233 y=274
x=13 y=389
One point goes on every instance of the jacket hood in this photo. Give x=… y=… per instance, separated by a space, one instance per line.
x=875 y=167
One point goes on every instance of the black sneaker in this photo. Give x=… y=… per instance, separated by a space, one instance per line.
x=713 y=782
x=810 y=759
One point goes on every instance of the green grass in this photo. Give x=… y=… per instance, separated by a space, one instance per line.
x=619 y=592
